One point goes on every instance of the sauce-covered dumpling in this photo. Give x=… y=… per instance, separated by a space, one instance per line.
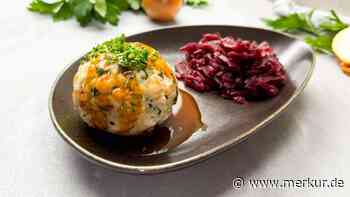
x=124 y=88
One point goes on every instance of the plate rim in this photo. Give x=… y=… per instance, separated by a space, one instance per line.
x=155 y=169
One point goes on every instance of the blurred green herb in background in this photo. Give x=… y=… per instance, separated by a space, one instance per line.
x=104 y=11
x=85 y=11
x=196 y=3
x=319 y=37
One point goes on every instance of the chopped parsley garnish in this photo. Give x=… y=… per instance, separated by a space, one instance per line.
x=119 y=51
x=133 y=57
x=155 y=108
x=154 y=56
x=161 y=74
x=100 y=71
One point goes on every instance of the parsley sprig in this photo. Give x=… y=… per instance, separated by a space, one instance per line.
x=294 y=23
x=125 y=54
x=85 y=11
x=319 y=37
x=333 y=24
x=104 y=11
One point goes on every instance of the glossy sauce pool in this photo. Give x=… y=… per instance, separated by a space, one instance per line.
x=185 y=120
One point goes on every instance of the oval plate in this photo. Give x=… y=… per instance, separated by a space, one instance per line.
x=228 y=123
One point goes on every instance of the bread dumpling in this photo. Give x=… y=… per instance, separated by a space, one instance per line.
x=124 y=88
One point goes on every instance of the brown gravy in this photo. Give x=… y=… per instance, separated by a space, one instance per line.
x=180 y=126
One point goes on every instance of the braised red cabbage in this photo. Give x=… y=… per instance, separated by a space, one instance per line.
x=237 y=69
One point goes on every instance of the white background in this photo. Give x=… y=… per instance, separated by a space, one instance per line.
x=311 y=139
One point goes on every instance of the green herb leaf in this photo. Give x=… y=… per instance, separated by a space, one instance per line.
x=321 y=36
x=64 y=13
x=45 y=8
x=113 y=12
x=196 y=3
x=334 y=24
x=101 y=7
x=135 y=4
x=82 y=11
x=121 y=4
x=87 y=10
x=321 y=43
x=293 y=23
x=98 y=17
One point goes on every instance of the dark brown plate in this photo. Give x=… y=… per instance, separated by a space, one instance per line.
x=228 y=123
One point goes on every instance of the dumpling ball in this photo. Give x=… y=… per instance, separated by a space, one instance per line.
x=124 y=88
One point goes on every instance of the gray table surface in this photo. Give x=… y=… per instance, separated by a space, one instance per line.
x=311 y=139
